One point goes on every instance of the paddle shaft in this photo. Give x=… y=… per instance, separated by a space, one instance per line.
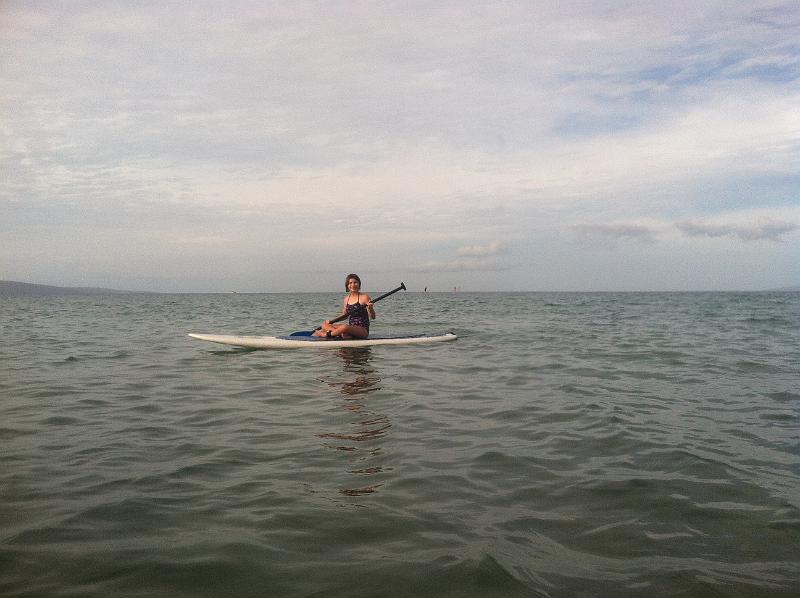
x=402 y=287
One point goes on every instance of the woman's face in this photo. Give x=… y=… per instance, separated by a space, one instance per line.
x=353 y=285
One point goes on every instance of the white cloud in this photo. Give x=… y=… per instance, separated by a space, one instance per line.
x=615 y=231
x=462 y=265
x=471 y=258
x=742 y=225
x=492 y=248
x=754 y=231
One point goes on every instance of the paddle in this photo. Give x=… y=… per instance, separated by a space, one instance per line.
x=402 y=287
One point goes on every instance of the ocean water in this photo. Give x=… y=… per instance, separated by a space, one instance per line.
x=566 y=445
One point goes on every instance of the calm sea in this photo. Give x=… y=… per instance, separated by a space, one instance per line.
x=566 y=445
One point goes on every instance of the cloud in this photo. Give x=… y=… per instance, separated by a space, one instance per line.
x=746 y=225
x=471 y=258
x=618 y=231
x=493 y=248
x=462 y=265
x=756 y=231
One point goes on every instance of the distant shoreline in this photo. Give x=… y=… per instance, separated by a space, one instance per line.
x=11 y=288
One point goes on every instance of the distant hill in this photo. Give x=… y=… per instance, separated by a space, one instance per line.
x=10 y=288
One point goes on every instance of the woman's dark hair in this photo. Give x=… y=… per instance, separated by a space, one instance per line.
x=351 y=277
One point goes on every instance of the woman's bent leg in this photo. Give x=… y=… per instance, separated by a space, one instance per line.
x=344 y=330
x=350 y=332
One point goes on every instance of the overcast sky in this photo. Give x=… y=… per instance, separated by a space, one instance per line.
x=531 y=145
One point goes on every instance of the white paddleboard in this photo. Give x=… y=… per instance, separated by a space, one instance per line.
x=315 y=342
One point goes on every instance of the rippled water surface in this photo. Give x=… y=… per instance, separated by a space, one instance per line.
x=565 y=445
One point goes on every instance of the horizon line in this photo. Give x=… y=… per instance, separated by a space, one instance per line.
x=92 y=290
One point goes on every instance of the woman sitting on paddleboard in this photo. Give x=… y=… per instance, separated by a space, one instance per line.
x=360 y=309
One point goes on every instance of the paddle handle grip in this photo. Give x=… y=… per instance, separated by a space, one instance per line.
x=402 y=287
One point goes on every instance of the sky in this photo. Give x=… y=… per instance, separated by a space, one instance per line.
x=259 y=146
